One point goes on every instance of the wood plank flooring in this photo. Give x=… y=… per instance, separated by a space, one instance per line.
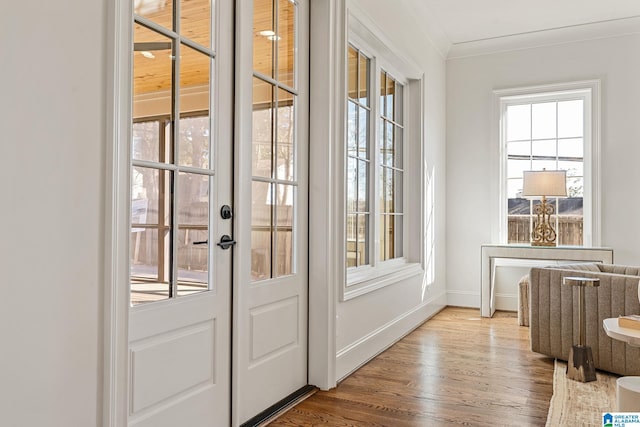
x=457 y=368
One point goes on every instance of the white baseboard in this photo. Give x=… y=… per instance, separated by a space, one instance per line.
x=507 y=302
x=360 y=352
x=463 y=299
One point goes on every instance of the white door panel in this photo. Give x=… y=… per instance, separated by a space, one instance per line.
x=271 y=194
x=180 y=323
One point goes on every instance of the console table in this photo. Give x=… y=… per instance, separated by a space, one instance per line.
x=488 y=253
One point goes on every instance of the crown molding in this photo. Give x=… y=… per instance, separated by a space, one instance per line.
x=555 y=36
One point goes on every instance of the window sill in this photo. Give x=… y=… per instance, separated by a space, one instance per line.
x=363 y=281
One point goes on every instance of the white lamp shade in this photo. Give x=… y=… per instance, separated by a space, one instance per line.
x=545 y=183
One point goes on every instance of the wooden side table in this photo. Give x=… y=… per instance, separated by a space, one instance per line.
x=580 y=364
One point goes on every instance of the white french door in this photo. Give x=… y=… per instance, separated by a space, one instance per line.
x=271 y=262
x=217 y=330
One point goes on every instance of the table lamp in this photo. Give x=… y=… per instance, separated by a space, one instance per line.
x=544 y=184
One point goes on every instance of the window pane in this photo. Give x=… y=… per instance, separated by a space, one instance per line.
x=352 y=184
x=286 y=133
x=519 y=148
x=152 y=72
x=160 y=12
x=570 y=206
x=262 y=131
x=519 y=228
x=398 y=148
x=514 y=188
x=146 y=141
x=150 y=235
x=390 y=98
x=195 y=20
x=518 y=206
x=572 y=168
x=284 y=229
x=543 y=120
x=352 y=64
x=389 y=188
x=518 y=122
x=544 y=148
x=575 y=187
x=363 y=187
x=389 y=237
x=397 y=191
x=264 y=37
x=399 y=114
x=387 y=144
x=538 y=165
x=286 y=42
x=194 y=142
x=352 y=128
x=398 y=252
x=261 y=230
x=364 y=80
x=570 y=119
x=363 y=239
x=383 y=88
x=363 y=132
x=352 y=233
x=382 y=237
x=571 y=147
x=381 y=193
x=193 y=233
x=570 y=230
x=515 y=168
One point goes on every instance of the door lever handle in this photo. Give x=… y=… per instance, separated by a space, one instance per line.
x=226 y=242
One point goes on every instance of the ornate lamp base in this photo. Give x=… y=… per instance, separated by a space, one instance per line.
x=543 y=233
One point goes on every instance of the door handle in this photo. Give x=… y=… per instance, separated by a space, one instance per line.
x=226 y=242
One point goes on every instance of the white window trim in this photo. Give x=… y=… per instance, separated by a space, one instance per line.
x=367 y=37
x=589 y=91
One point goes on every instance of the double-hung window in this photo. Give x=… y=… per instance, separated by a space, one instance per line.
x=376 y=166
x=553 y=130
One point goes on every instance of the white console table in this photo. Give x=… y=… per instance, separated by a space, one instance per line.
x=556 y=253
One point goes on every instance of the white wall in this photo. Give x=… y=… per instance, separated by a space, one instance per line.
x=470 y=82
x=368 y=324
x=51 y=191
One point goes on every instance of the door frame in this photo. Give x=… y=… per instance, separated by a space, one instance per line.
x=328 y=23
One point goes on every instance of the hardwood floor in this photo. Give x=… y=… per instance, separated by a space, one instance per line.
x=457 y=368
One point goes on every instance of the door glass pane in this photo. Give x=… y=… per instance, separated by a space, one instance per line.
x=158 y=11
x=193 y=233
x=194 y=141
x=195 y=21
x=150 y=235
x=262 y=131
x=286 y=133
x=264 y=37
x=390 y=98
x=286 y=42
x=152 y=73
x=261 y=230
x=397 y=246
x=284 y=230
x=146 y=140
x=398 y=147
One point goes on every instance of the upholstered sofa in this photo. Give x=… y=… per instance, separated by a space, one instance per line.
x=554 y=313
